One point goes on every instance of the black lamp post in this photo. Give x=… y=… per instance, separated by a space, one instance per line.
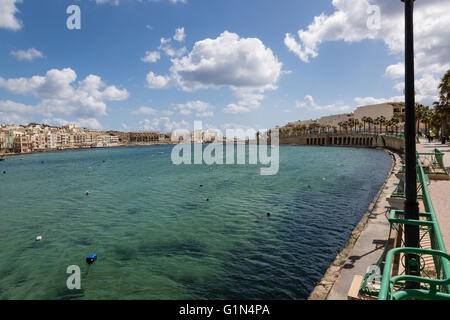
x=411 y=204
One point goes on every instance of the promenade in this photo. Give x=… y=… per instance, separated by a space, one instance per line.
x=370 y=243
x=440 y=189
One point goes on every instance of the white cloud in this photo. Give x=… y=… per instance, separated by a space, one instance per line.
x=202 y=109
x=157 y=82
x=227 y=60
x=244 y=65
x=166 y=47
x=179 y=35
x=28 y=55
x=395 y=71
x=163 y=124
x=349 y=23
x=145 y=110
x=425 y=87
x=309 y=103
x=235 y=109
x=91 y=123
x=8 y=19
x=151 y=56
x=59 y=94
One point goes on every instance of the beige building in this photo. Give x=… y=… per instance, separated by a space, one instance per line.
x=386 y=110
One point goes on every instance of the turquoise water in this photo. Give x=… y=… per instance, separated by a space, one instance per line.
x=158 y=237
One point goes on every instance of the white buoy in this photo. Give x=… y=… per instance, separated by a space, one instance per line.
x=38 y=238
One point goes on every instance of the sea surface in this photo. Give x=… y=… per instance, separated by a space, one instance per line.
x=162 y=231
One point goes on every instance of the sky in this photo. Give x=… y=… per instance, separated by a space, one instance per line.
x=162 y=64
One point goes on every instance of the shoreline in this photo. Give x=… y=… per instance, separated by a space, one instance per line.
x=5 y=155
x=327 y=283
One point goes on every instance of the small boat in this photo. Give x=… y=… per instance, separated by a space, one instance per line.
x=2 y=159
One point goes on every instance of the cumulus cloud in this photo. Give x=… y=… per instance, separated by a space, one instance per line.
x=351 y=22
x=151 y=56
x=425 y=87
x=179 y=35
x=157 y=82
x=59 y=94
x=309 y=103
x=166 y=47
x=244 y=65
x=235 y=109
x=395 y=71
x=8 y=11
x=227 y=60
x=163 y=124
x=202 y=109
x=145 y=111
x=27 y=55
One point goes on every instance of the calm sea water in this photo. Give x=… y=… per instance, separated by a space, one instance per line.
x=158 y=237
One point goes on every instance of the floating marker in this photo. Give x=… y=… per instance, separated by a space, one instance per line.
x=87 y=193
x=38 y=238
x=4 y=172
x=207 y=199
x=90 y=259
x=269 y=214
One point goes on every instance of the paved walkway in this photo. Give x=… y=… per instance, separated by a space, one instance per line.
x=370 y=244
x=440 y=189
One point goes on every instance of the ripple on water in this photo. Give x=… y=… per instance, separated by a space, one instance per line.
x=159 y=238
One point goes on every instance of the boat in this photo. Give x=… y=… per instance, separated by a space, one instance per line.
x=2 y=159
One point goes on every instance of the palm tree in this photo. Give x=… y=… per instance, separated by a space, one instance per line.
x=370 y=122
x=444 y=100
x=382 y=121
x=364 y=121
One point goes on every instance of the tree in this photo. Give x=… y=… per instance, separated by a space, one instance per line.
x=444 y=100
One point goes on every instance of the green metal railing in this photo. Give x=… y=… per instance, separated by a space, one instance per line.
x=433 y=163
x=434 y=280
x=430 y=289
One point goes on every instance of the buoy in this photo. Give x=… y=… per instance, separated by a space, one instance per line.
x=38 y=238
x=269 y=214
x=201 y=185
x=4 y=172
x=87 y=193
x=90 y=259
x=207 y=199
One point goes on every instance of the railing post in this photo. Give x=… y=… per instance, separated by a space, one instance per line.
x=411 y=204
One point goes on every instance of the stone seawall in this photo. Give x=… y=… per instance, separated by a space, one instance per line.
x=347 y=140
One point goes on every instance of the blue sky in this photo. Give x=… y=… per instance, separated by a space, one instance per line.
x=266 y=62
